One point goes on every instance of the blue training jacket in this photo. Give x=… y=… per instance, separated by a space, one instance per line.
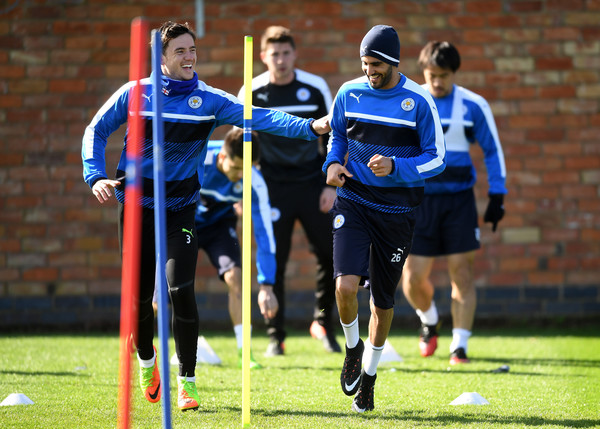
x=401 y=123
x=191 y=112
x=467 y=118
x=217 y=197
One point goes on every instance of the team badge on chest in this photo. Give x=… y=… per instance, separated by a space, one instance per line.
x=303 y=94
x=194 y=102
x=407 y=104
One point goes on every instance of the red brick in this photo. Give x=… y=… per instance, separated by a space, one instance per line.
x=554 y=63
x=539 y=192
x=25 y=115
x=504 y=21
x=554 y=92
x=9 y=274
x=528 y=121
x=69 y=57
x=592 y=235
x=581 y=277
x=546 y=136
x=591 y=34
x=480 y=64
x=517 y=93
x=518 y=264
x=67 y=85
x=22 y=201
x=561 y=33
x=160 y=11
x=538 y=106
x=10 y=245
x=28 y=86
x=40 y=274
x=524 y=6
x=91 y=42
x=120 y=12
x=560 y=177
x=10 y=101
x=46 y=71
x=12 y=71
x=579 y=191
x=507 y=279
x=581 y=163
x=467 y=21
x=546 y=278
x=118 y=42
x=8 y=159
x=78 y=273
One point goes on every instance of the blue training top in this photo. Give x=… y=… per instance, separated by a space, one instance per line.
x=191 y=112
x=401 y=123
x=217 y=197
x=466 y=117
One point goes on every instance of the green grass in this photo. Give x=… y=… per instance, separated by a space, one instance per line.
x=554 y=382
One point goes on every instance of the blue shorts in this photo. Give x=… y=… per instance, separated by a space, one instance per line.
x=220 y=242
x=372 y=245
x=446 y=224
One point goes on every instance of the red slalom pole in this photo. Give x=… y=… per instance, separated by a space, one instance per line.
x=132 y=226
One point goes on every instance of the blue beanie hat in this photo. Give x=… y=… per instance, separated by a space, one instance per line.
x=382 y=43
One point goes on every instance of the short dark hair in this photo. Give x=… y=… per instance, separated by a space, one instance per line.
x=171 y=30
x=234 y=144
x=276 y=34
x=441 y=54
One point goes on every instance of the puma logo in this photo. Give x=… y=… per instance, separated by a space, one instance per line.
x=187 y=231
x=355 y=96
x=263 y=96
x=147 y=97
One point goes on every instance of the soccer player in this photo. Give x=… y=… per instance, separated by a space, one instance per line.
x=386 y=140
x=216 y=220
x=192 y=110
x=292 y=170
x=447 y=219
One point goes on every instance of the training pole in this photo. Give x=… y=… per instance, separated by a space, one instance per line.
x=132 y=226
x=247 y=232
x=160 y=226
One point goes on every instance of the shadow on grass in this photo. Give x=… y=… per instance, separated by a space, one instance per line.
x=470 y=371
x=591 y=363
x=418 y=418
x=52 y=373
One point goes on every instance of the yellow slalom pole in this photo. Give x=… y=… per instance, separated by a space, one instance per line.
x=246 y=232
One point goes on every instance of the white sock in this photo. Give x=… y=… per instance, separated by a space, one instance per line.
x=459 y=339
x=351 y=333
x=371 y=357
x=147 y=363
x=430 y=316
x=181 y=379
x=239 y=335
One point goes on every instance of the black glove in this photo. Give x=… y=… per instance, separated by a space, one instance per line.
x=495 y=210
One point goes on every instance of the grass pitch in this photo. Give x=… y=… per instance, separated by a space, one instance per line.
x=553 y=382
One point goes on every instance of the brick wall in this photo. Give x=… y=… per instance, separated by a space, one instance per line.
x=537 y=62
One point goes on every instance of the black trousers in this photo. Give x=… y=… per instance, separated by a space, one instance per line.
x=182 y=253
x=300 y=201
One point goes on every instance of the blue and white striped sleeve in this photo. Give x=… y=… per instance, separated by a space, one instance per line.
x=486 y=134
x=107 y=120
x=263 y=230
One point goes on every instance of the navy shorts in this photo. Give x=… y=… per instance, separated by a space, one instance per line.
x=221 y=244
x=372 y=245
x=446 y=224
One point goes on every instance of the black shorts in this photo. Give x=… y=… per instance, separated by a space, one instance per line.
x=221 y=244
x=372 y=245
x=446 y=224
